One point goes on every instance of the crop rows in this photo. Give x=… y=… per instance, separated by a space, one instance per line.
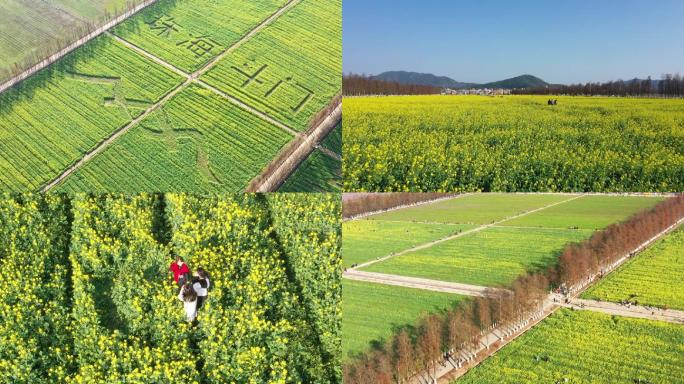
x=435 y=143
x=652 y=278
x=49 y=121
x=89 y=298
x=587 y=347
x=291 y=69
x=197 y=139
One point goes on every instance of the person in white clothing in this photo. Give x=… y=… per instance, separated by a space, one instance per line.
x=189 y=298
x=200 y=282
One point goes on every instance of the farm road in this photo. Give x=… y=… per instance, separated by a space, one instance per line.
x=652 y=313
x=190 y=78
x=414 y=282
x=460 y=234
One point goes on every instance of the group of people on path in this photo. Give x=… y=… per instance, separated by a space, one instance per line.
x=194 y=287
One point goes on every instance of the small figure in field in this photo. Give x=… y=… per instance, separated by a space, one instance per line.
x=201 y=283
x=189 y=298
x=180 y=271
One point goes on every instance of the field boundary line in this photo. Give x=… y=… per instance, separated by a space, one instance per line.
x=419 y=283
x=69 y=48
x=379 y=211
x=189 y=80
x=549 y=305
x=635 y=311
x=462 y=233
x=294 y=154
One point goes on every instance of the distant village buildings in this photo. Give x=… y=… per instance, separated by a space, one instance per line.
x=473 y=91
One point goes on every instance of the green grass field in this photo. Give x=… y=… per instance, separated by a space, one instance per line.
x=492 y=257
x=587 y=212
x=51 y=120
x=654 y=276
x=365 y=240
x=473 y=209
x=334 y=140
x=587 y=347
x=189 y=33
x=370 y=312
x=290 y=70
x=515 y=143
x=318 y=173
x=199 y=140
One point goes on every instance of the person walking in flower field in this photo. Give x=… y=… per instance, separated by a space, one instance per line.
x=180 y=271
x=189 y=298
x=200 y=283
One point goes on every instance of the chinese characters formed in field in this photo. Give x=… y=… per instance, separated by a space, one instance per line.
x=200 y=45
x=163 y=25
x=118 y=97
x=254 y=75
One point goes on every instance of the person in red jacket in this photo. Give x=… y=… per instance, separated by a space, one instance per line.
x=180 y=271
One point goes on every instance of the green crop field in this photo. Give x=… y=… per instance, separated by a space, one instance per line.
x=491 y=257
x=189 y=33
x=587 y=347
x=31 y=30
x=291 y=69
x=587 y=212
x=190 y=140
x=88 y=297
x=365 y=240
x=654 y=277
x=197 y=140
x=334 y=140
x=518 y=143
x=481 y=208
x=52 y=119
x=371 y=312
x=318 y=173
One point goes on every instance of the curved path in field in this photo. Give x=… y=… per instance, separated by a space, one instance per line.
x=652 y=313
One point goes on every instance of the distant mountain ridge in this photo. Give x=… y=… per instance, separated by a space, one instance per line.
x=415 y=78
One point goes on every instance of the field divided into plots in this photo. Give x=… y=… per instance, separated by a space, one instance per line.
x=653 y=277
x=493 y=256
x=53 y=119
x=196 y=139
x=587 y=347
x=372 y=312
x=286 y=71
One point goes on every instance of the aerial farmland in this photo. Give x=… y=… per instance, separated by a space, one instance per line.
x=470 y=267
x=192 y=95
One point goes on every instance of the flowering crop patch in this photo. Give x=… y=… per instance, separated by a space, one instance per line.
x=652 y=278
x=456 y=143
x=89 y=297
x=587 y=347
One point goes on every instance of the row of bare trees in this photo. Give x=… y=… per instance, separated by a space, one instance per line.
x=358 y=203
x=362 y=85
x=72 y=33
x=450 y=337
x=669 y=86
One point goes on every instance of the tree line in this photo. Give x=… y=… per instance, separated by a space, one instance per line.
x=362 y=85
x=359 y=203
x=669 y=86
x=439 y=339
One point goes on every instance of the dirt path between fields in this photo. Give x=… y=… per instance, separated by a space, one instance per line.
x=58 y=55
x=418 y=283
x=463 y=233
x=190 y=78
x=638 y=311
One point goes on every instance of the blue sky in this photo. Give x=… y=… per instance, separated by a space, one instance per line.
x=561 y=41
